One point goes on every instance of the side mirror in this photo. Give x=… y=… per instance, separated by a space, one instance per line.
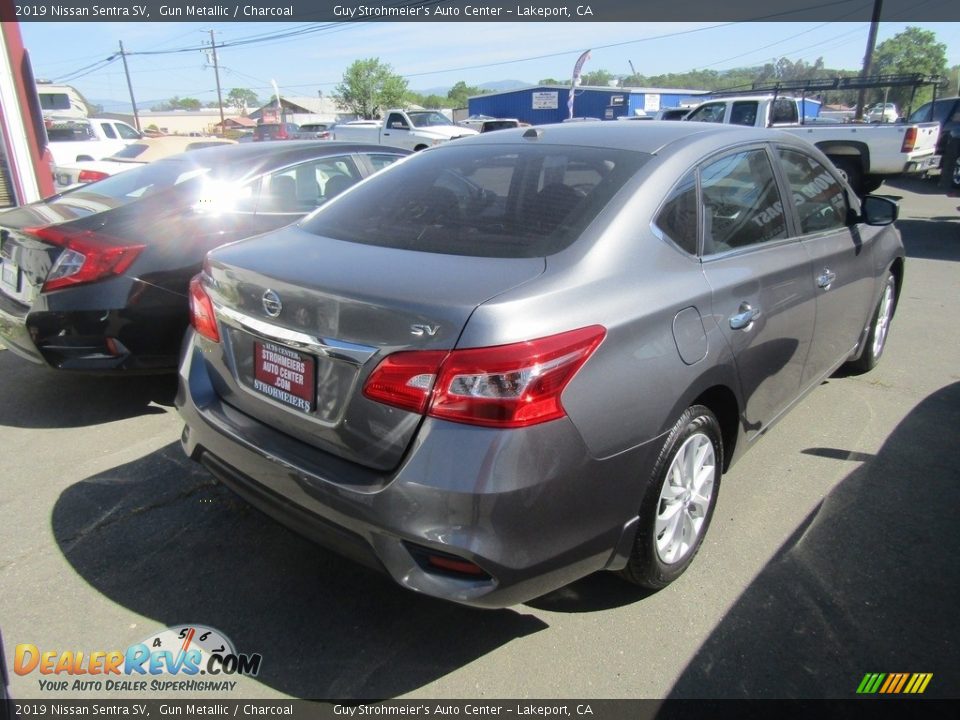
x=877 y=210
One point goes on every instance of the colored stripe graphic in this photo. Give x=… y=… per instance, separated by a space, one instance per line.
x=894 y=683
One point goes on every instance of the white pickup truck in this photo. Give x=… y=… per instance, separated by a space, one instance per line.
x=864 y=153
x=73 y=139
x=409 y=129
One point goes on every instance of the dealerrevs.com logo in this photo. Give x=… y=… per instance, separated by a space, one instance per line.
x=179 y=658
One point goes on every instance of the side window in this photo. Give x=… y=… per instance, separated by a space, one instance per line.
x=127 y=132
x=784 y=111
x=396 y=121
x=820 y=201
x=379 y=162
x=677 y=218
x=108 y=130
x=741 y=203
x=303 y=188
x=744 y=113
x=711 y=112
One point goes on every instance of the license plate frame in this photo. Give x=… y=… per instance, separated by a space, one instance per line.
x=285 y=375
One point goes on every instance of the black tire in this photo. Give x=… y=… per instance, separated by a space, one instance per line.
x=876 y=340
x=955 y=175
x=851 y=171
x=651 y=564
x=871 y=183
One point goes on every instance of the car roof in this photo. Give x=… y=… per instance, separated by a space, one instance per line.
x=158 y=147
x=648 y=137
x=278 y=153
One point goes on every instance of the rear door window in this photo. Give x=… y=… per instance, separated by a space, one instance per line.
x=108 y=130
x=302 y=188
x=484 y=201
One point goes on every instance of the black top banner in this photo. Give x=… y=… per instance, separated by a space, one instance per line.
x=474 y=10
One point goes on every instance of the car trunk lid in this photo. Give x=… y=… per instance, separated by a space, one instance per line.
x=304 y=319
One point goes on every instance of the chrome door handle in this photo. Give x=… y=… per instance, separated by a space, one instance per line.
x=744 y=318
x=826 y=278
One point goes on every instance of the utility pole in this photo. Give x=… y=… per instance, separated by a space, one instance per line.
x=216 y=72
x=868 y=57
x=136 y=115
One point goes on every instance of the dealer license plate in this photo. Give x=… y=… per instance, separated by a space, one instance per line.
x=287 y=376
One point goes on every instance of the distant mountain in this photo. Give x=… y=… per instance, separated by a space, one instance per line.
x=124 y=106
x=504 y=85
x=493 y=86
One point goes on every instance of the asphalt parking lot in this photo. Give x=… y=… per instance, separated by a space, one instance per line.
x=831 y=555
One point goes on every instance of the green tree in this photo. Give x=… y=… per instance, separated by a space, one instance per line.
x=178 y=103
x=912 y=51
x=597 y=78
x=552 y=81
x=431 y=102
x=370 y=87
x=242 y=99
x=459 y=94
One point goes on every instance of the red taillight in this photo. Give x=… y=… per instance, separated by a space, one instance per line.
x=202 y=317
x=88 y=176
x=909 y=140
x=405 y=379
x=86 y=257
x=503 y=386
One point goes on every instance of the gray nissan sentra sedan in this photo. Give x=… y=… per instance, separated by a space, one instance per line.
x=516 y=359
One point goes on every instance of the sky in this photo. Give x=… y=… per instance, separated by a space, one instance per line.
x=428 y=55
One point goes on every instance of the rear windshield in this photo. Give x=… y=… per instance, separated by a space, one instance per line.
x=131 y=151
x=66 y=130
x=149 y=179
x=489 y=201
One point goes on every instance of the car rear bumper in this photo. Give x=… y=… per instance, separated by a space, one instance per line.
x=94 y=341
x=930 y=162
x=528 y=507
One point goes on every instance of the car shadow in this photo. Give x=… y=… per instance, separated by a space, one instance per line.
x=184 y=549
x=38 y=397
x=869 y=583
x=594 y=593
x=936 y=239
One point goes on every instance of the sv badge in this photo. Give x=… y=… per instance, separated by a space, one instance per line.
x=421 y=330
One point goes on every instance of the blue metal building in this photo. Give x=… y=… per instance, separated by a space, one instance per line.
x=548 y=103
